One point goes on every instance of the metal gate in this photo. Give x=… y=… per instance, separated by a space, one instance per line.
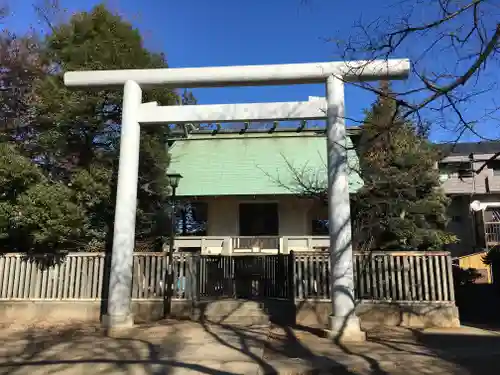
x=246 y=276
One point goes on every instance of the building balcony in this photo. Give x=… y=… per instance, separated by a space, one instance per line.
x=226 y=245
x=493 y=184
x=466 y=185
x=492 y=234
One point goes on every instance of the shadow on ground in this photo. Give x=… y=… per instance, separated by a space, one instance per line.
x=85 y=350
x=474 y=350
x=167 y=347
x=208 y=347
x=479 y=304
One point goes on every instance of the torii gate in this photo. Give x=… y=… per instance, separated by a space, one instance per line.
x=343 y=320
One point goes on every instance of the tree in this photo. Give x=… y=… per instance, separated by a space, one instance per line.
x=75 y=138
x=35 y=213
x=454 y=50
x=4 y=9
x=20 y=67
x=401 y=205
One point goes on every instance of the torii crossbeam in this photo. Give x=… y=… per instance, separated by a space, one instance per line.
x=343 y=321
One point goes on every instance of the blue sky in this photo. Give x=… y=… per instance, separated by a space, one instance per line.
x=223 y=32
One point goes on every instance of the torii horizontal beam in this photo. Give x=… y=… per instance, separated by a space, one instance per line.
x=151 y=113
x=246 y=75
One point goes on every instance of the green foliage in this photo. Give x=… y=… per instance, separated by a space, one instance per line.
x=48 y=217
x=35 y=213
x=401 y=205
x=58 y=173
x=492 y=257
x=17 y=173
x=86 y=122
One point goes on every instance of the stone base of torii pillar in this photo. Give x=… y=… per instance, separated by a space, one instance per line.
x=344 y=329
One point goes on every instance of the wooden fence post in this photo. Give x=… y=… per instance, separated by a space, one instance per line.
x=291 y=275
x=192 y=282
x=451 y=284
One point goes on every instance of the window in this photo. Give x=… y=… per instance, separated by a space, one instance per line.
x=192 y=219
x=444 y=171
x=465 y=172
x=455 y=170
x=494 y=165
x=318 y=216
x=319 y=227
x=492 y=215
x=259 y=219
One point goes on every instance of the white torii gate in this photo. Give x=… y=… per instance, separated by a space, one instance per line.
x=343 y=320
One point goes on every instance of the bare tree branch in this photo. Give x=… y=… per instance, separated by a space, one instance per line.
x=49 y=11
x=452 y=46
x=4 y=10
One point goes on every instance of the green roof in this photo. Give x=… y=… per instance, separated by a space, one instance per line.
x=253 y=164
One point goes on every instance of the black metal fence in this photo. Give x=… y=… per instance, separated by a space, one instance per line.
x=250 y=277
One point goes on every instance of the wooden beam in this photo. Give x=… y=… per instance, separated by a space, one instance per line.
x=275 y=125
x=302 y=126
x=243 y=130
x=314 y=110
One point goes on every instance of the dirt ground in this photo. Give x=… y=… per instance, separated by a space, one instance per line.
x=182 y=347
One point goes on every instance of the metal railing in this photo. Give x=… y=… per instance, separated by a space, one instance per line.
x=492 y=233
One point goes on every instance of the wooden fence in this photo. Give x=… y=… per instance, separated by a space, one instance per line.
x=79 y=276
x=378 y=276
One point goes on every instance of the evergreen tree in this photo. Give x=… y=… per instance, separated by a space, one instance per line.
x=71 y=138
x=401 y=205
x=35 y=212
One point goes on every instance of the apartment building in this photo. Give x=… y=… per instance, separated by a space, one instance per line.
x=470 y=175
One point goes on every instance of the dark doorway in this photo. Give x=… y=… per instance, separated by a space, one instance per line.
x=259 y=219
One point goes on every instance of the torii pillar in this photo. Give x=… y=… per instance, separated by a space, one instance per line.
x=343 y=322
